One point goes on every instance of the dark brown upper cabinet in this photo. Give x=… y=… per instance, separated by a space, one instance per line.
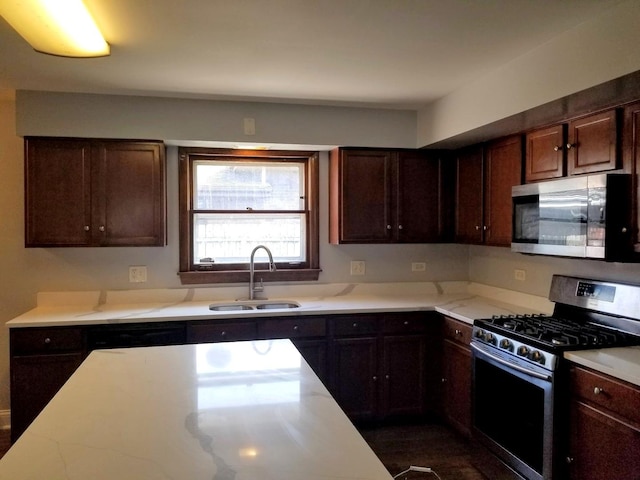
x=584 y=145
x=485 y=175
x=592 y=144
x=82 y=193
x=387 y=196
x=545 y=154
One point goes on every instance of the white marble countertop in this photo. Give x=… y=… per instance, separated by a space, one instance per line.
x=227 y=411
x=622 y=363
x=462 y=300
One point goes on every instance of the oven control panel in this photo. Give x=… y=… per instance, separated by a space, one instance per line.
x=513 y=349
x=596 y=291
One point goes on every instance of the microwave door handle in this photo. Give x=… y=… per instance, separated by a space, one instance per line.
x=510 y=365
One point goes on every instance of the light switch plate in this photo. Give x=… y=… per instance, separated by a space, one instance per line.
x=137 y=274
x=358 y=267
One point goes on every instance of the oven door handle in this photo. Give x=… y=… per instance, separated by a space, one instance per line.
x=510 y=365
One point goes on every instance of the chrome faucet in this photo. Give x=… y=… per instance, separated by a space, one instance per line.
x=272 y=268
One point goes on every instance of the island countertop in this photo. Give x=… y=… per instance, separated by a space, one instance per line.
x=228 y=411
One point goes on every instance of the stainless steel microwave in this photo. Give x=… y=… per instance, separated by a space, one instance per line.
x=584 y=216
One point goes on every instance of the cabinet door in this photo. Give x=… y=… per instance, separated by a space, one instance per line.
x=592 y=144
x=469 y=225
x=355 y=376
x=503 y=170
x=315 y=354
x=545 y=154
x=601 y=446
x=57 y=192
x=129 y=198
x=418 y=198
x=631 y=160
x=456 y=382
x=361 y=182
x=403 y=376
x=35 y=379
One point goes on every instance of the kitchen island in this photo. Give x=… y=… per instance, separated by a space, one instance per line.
x=227 y=411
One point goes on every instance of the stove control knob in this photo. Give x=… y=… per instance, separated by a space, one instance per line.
x=506 y=344
x=523 y=351
x=536 y=356
x=490 y=338
x=480 y=334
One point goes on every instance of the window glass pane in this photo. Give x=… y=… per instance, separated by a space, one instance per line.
x=230 y=238
x=226 y=185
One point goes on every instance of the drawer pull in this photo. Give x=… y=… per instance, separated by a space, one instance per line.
x=223 y=333
x=296 y=328
x=375 y=378
x=598 y=390
x=355 y=325
x=406 y=322
x=47 y=341
x=458 y=332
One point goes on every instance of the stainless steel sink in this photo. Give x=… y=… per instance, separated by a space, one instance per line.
x=229 y=307
x=253 y=305
x=277 y=305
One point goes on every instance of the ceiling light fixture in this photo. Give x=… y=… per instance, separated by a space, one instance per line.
x=57 y=27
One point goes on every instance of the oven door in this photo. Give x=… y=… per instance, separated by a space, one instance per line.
x=513 y=411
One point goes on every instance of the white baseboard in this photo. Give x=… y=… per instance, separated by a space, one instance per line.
x=5 y=419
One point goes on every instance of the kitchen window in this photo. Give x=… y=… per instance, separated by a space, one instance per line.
x=234 y=200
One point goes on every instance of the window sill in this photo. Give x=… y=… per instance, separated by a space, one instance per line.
x=242 y=276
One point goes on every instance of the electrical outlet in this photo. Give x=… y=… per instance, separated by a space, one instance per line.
x=358 y=267
x=137 y=274
x=519 y=275
x=418 y=267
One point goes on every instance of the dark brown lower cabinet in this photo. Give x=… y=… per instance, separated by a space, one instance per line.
x=456 y=375
x=604 y=437
x=404 y=376
x=381 y=365
x=355 y=376
x=35 y=379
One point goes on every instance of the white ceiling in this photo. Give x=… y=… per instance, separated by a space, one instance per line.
x=385 y=53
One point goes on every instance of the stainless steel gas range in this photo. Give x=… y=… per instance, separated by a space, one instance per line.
x=520 y=407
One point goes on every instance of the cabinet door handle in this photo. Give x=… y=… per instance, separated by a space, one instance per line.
x=557 y=148
x=386 y=377
x=570 y=146
x=399 y=227
x=101 y=228
x=388 y=227
x=444 y=380
x=406 y=322
x=87 y=228
x=485 y=228
x=598 y=390
x=375 y=378
x=295 y=328
x=47 y=341
x=355 y=325
x=223 y=333
x=569 y=460
x=458 y=332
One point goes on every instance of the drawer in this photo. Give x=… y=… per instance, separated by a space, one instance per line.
x=31 y=341
x=405 y=324
x=604 y=391
x=355 y=325
x=221 y=332
x=457 y=331
x=294 y=327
